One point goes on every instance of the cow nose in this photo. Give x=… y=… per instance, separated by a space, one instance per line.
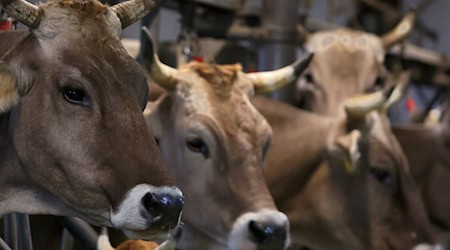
x=268 y=235
x=163 y=209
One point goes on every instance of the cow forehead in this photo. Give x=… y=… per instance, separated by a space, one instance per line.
x=346 y=41
x=226 y=103
x=67 y=22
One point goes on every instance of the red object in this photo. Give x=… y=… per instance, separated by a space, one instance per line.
x=410 y=104
x=198 y=59
x=6 y=24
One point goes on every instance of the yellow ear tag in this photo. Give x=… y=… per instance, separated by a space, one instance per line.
x=349 y=168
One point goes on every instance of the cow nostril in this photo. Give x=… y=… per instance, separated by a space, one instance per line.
x=163 y=209
x=259 y=232
x=151 y=204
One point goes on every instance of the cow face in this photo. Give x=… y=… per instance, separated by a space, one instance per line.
x=346 y=63
x=214 y=142
x=79 y=134
x=372 y=197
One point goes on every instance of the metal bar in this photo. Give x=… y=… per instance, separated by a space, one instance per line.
x=24 y=232
x=279 y=21
x=10 y=231
x=81 y=231
x=3 y=245
x=67 y=241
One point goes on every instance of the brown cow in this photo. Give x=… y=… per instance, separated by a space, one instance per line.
x=76 y=142
x=343 y=182
x=214 y=142
x=333 y=76
x=346 y=63
x=427 y=150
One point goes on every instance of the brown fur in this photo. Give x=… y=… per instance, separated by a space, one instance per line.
x=222 y=77
x=86 y=8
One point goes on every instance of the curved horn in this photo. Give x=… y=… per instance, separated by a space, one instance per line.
x=401 y=31
x=399 y=89
x=131 y=11
x=359 y=106
x=24 y=12
x=265 y=82
x=163 y=75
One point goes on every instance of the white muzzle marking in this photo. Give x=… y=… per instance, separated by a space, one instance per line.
x=132 y=217
x=240 y=237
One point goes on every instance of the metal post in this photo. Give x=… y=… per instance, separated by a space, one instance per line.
x=3 y=245
x=24 y=232
x=67 y=241
x=81 y=231
x=279 y=20
x=10 y=231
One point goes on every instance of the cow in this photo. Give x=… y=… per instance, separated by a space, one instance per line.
x=214 y=143
x=73 y=140
x=427 y=151
x=329 y=82
x=346 y=63
x=343 y=182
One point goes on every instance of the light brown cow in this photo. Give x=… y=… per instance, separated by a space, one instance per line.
x=427 y=151
x=343 y=182
x=76 y=142
x=346 y=63
x=214 y=142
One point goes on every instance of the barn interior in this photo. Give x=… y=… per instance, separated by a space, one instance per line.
x=371 y=91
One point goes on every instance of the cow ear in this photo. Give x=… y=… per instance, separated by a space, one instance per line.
x=9 y=93
x=348 y=145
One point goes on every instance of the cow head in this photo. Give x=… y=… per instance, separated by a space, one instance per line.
x=214 y=142
x=346 y=63
x=77 y=144
x=373 y=199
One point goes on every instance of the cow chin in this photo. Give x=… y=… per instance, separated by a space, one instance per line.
x=244 y=237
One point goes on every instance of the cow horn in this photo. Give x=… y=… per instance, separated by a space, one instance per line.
x=265 y=82
x=131 y=11
x=401 y=31
x=399 y=89
x=163 y=75
x=23 y=11
x=359 y=106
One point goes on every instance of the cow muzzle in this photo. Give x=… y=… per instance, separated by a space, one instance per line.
x=261 y=230
x=148 y=211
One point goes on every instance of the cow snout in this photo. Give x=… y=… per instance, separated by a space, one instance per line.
x=268 y=234
x=163 y=208
x=263 y=230
x=147 y=211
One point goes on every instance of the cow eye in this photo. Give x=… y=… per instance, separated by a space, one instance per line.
x=309 y=78
x=197 y=145
x=382 y=176
x=74 y=95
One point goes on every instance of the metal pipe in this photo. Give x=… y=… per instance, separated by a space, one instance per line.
x=279 y=21
x=67 y=241
x=3 y=245
x=24 y=232
x=81 y=231
x=10 y=231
